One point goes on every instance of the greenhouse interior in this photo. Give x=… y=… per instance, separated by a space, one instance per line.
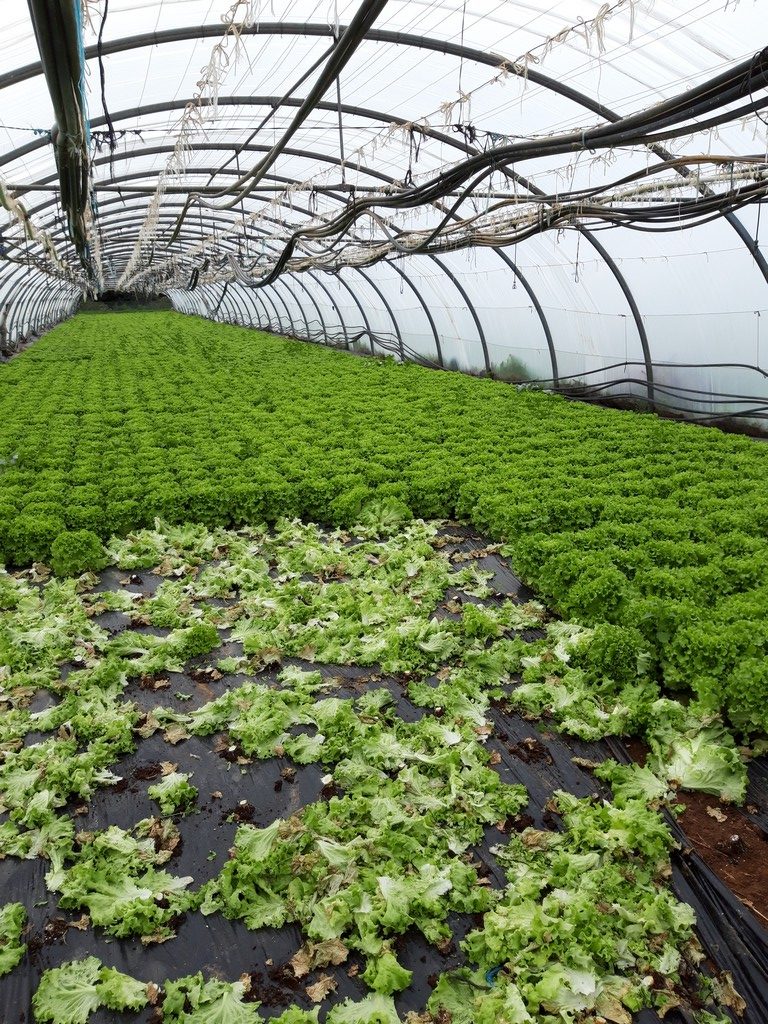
x=383 y=512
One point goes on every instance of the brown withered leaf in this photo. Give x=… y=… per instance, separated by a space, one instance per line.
x=612 y=1010
x=318 y=954
x=149 y=726
x=175 y=734
x=584 y=762
x=331 y=951
x=536 y=840
x=154 y=683
x=156 y=939
x=301 y=962
x=324 y=984
x=727 y=995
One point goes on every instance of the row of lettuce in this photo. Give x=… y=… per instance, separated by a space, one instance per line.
x=584 y=924
x=657 y=527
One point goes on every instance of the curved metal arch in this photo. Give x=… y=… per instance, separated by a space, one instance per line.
x=224 y=293
x=26 y=308
x=265 y=313
x=396 y=38
x=357 y=302
x=473 y=312
x=312 y=156
x=18 y=305
x=376 y=115
x=427 y=312
x=539 y=311
x=380 y=294
x=639 y=323
x=203 y=296
x=178 y=301
x=332 y=194
x=236 y=308
x=268 y=295
x=136 y=214
x=240 y=302
x=152 y=150
x=196 y=304
x=299 y=305
x=395 y=266
x=15 y=278
x=43 y=312
x=322 y=30
x=222 y=302
x=20 y=270
x=388 y=308
x=250 y=312
x=291 y=317
x=7 y=282
x=121 y=244
x=334 y=305
x=269 y=318
x=191 y=304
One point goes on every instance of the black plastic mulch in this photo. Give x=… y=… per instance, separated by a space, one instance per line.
x=542 y=761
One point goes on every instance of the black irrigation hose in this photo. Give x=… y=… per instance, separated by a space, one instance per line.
x=669 y=389
x=673 y=217
x=341 y=54
x=724 y=89
x=757 y=412
x=110 y=132
x=667 y=364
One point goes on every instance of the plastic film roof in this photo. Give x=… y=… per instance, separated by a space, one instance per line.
x=457 y=194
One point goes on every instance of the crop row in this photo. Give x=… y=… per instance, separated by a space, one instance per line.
x=613 y=517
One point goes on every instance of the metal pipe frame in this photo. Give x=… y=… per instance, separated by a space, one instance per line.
x=312 y=299
x=333 y=194
x=388 y=308
x=459 y=51
x=478 y=324
x=297 y=304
